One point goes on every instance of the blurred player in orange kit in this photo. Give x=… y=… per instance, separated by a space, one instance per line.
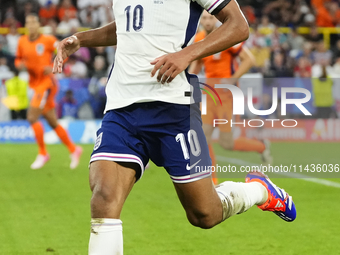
x=35 y=52
x=222 y=68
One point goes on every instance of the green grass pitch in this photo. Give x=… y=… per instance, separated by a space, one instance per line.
x=47 y=211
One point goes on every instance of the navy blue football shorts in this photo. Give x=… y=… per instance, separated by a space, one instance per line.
x=169 y=134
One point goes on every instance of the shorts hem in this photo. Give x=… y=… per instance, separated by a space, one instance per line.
x=119 y=157
x=190 y=177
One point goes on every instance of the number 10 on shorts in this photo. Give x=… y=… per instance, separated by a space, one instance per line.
x=193 y=142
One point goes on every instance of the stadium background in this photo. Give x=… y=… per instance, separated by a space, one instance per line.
x=48 y=210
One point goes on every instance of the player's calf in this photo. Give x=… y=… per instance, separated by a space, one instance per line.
x=204 y=219
x=200 y=202
x=206 y=206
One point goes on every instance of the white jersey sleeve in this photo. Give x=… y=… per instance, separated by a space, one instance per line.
x=213 y=6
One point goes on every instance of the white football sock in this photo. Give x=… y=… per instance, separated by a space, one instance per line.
x=238 y=197
x=106 y=237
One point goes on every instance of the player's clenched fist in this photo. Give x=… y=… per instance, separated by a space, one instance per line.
x=66 y=47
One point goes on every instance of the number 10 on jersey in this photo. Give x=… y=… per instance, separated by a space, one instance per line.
x=137 y=19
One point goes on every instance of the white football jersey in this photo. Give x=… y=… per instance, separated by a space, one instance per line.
x=147 y=29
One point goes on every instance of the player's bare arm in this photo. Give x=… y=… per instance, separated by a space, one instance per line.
x=19 y=62
x=234 y=29
x=196 y=66
x=247 y=62
x=103 y=36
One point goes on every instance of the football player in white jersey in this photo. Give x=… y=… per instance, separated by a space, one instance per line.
x=152 y=112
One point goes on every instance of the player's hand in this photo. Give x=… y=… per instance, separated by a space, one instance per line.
x=169 y=66
x=21 y=66
x=47 y=70
x=66 y=47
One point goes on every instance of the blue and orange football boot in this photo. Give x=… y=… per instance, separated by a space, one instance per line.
x=278 y=202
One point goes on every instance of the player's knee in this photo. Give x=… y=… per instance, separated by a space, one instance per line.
x=53 y=124
x=201 y=220
x=103 y=195
x=227 y=144
x=105 y=204
x=31 y=119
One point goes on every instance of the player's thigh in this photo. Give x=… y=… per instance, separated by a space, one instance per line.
x=225 y=112
x=208 y=119
x=33 y=114
x=200 y=201
x=226 y=140
x=226 y=134
x=110 y=183
x=180 y=145
x=51 y=117
x=40 y=96
x=52 y=92
x=208 y=130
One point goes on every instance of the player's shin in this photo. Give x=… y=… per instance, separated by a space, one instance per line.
x=106 y=237
x=238 y=197
x=39 y=136
x=65 y=138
